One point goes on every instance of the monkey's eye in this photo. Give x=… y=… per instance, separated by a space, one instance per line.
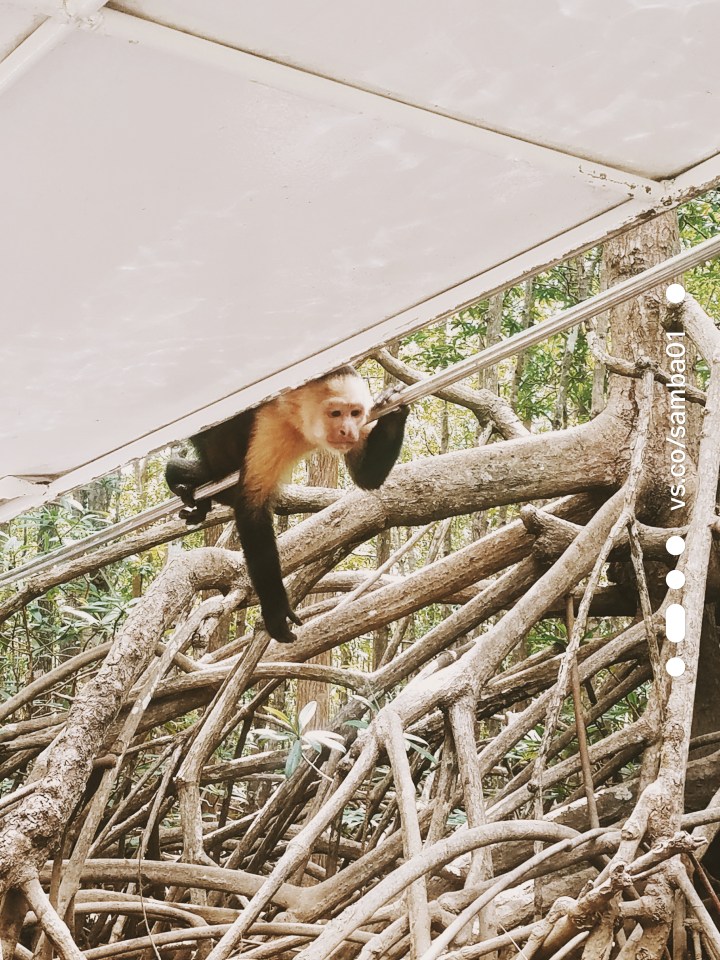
x=336 y=413
x=356 y=413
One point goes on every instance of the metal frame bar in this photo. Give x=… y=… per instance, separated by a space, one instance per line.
x=609 y=298
x=63 y=19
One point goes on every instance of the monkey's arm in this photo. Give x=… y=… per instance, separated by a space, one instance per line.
x=372 y=460
x=257 y=537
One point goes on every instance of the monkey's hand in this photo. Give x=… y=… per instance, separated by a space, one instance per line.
x=389 y=397
x=276 y=625
x=195 y=514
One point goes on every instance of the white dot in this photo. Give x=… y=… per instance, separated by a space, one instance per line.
x=675 y=293
x=675 y=667
x=675 y=545
x=675 y=579
x=675 y=623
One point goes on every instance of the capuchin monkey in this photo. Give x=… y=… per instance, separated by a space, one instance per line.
x=264 y=444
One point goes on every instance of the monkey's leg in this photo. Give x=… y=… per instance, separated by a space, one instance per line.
x=184 y=476
x=257 y=536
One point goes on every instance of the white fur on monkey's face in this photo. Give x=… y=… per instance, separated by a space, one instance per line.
x=342 y=413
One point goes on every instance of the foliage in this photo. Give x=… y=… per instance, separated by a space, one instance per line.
x=296 y=734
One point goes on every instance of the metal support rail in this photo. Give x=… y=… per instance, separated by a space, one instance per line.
x=707 y=250
x=618 y=294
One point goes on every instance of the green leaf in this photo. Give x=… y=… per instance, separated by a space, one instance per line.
x=79 y=615
x=281 y=718
x=326 y=738
x=415 y=739
x=294 y=758
x=306 y=714
x=264 y=733
x=423 y=753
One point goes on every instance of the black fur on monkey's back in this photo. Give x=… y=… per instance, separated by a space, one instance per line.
x=224 y=448
x=221 y=450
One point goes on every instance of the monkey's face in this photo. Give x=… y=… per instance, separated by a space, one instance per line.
x=344 y=413
x=333 y=412
x=342 y=424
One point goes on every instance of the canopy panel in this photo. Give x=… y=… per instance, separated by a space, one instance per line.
x=207 y=203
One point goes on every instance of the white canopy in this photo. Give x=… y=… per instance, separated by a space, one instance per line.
x=206 y=202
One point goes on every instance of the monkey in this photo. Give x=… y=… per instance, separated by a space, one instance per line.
x=264 y=443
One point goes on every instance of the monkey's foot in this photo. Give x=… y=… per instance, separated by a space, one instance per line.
x=278 y=628
x=284 y=636
x=195 y=514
